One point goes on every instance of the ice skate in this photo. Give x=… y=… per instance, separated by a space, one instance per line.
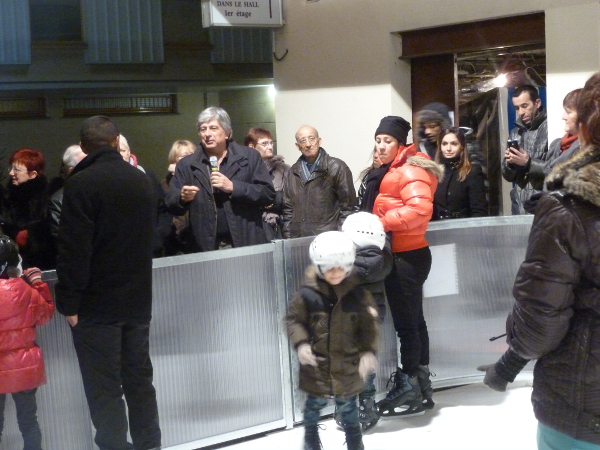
x=367 y=414
x=404 y=399
x=423 y=374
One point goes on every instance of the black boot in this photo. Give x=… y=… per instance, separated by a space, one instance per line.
x=425 y=385
x=367 y=413
x=311 y=438
x=404 y=398
x=354 y=437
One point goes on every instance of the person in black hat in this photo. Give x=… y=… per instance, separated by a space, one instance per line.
x=404 y=205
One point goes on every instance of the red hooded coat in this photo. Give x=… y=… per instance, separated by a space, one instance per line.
x=22 y=307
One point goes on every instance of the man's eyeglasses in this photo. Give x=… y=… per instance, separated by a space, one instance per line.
x=265 y=143
x=310 y=140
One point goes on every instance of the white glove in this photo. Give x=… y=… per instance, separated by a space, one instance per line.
x=367 y=365
x=306 y=355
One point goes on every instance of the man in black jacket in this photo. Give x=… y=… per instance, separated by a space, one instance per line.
x=106 y=224
x=224 y=186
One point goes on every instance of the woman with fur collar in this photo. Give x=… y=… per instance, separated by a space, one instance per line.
x=404 y=205
x=556 y=316
x=24 y=209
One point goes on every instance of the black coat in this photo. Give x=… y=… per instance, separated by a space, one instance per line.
x=105 y=240
x=556 y=316
x=456 y=199
x=252 y=190
x=24 y=211
x=371 y=267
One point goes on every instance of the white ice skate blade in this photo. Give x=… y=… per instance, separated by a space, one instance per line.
x=400 y=412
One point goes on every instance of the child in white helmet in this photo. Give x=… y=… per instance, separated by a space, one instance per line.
x=25 y=302
x=332 y=323
x=373 y=262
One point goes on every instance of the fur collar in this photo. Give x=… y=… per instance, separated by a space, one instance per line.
x=312 y=280
x=431 y=166
x=579 y=175
x=409 y=155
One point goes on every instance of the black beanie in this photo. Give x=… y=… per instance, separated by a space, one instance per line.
x=394 y=126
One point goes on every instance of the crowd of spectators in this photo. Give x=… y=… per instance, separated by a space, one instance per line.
x=251 y=196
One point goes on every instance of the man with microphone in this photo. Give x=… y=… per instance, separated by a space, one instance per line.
x=224 y=186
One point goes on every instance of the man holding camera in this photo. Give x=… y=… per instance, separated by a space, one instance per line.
x=527 y=148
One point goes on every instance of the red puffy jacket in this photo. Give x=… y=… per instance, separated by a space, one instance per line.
x=22 y=307
x=405 y=200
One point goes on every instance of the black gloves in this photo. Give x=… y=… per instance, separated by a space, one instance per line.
x=498 y=375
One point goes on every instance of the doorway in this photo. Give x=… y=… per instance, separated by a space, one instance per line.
x=456 y=65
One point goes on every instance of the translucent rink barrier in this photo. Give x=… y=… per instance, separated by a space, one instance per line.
x=223 y=368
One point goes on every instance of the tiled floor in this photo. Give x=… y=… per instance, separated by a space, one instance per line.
x=466 y=418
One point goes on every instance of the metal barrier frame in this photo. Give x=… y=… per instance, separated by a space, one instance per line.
x=224 y=369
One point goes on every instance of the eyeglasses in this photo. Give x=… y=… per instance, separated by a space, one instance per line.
x=266 y=143
x=15 y=169
x=310 y=140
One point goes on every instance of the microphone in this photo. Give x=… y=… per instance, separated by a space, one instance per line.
x=214 y=167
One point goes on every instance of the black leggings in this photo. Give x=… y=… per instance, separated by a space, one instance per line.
x=404 y=290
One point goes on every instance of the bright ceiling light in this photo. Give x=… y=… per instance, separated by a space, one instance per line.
x=500 y=80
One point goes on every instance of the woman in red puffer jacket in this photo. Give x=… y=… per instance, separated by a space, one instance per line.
x=25 y=302
x=404 y=205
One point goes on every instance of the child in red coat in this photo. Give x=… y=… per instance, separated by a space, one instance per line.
x=25 y=302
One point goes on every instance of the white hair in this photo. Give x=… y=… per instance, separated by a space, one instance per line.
x=123 y=144
x=72 y=156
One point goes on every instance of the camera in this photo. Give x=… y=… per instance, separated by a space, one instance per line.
x=514 y=143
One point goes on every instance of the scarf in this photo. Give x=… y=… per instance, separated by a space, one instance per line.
x=371 y=183
x=566 y=141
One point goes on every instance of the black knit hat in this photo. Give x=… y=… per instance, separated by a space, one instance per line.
x=394 y=126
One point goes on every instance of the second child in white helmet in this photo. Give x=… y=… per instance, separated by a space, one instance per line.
x=373 y=262
x=333 y=324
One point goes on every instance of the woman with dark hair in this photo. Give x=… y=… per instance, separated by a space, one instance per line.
x=262 y=140
x=556 y=316
x=404 y=205
x=461 y=193
x=25 y=209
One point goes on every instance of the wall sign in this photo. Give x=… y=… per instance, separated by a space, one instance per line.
x=241 y=13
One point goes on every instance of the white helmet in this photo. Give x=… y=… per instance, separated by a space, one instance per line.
x=364 y=229
x=332 y=249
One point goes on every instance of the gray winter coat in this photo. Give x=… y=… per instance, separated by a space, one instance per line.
x=556 y=317
x=556 y=156
x=534 y=140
